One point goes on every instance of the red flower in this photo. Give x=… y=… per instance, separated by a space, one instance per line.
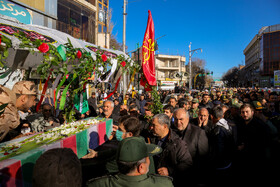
x=44 y=48
x=6 y=153
x=123 y=63
x=79 y=54
x=104 y=57
x=67 y=76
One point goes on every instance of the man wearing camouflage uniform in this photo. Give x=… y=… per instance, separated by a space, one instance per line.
x=194 y=110
x=9 y=117
x=133 y=163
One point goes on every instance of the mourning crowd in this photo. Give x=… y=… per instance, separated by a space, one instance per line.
x=216 y=137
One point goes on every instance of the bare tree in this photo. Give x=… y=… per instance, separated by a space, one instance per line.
x=114 y=44
x=231 y=77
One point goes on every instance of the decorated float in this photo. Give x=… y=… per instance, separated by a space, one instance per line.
x=71 y=64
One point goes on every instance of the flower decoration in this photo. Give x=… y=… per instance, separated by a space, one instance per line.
x=79 y=54
x=44 y=48
x=123 y=63
x=104 y=57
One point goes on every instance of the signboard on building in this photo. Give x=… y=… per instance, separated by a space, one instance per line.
x=265 y=81
x=168 y=83
x=277 y=78
x=11 y=9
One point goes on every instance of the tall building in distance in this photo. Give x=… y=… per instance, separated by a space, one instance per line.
x=262 y=57
x=82 y=19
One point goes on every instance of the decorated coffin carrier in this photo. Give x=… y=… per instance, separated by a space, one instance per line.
x=18 y=157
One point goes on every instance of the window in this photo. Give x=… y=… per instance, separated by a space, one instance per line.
x=99 y=27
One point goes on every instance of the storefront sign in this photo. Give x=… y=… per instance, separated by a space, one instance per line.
x=277 y=78
x=10 y=9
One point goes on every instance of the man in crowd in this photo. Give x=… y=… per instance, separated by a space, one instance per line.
x=108 y=107
x=253 y=145
x=142 y=103
x=173 y=102
x=203 y=120
x=205 y=103
x=133 y=164
x=175 y=159
x=92 y=103
x=194 y=137
x=221 y=147
x=194 y=108
x=9 y=115
x=25 y=96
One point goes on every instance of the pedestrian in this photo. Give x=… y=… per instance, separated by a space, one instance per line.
x=206 y=103
x=108 y=107
x=92 y=103
x=25 y=96
x=175 y=160
x=133 y=164
x=221 y=148
x=194 y=108
x=9 y=115
x=203 y=121
x=253 y=146
x=196 y=140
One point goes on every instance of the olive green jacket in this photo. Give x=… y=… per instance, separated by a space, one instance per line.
x=121 y=180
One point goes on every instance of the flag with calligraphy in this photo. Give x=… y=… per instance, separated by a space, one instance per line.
x=148 y=64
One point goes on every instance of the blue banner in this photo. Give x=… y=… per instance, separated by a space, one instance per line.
x=10 y=9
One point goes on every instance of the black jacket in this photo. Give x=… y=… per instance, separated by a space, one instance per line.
x=196 y=139
x=175 y=157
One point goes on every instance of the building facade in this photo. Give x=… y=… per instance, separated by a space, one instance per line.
x=37 y=12
x=82 y=19
x=170 y=68
x=262 y=57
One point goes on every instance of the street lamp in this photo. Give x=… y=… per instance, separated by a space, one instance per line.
x=190 y=63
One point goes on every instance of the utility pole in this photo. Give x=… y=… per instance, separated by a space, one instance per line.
x=124 y=40
x=190 y=66
x=190 y=63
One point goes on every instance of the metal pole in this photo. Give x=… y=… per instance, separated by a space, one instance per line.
x=124 y=34
x=190 y=66
x=106 y=29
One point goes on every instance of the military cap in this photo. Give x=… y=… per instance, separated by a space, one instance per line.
x=189 y=98
x=133 y=149
x=195 y=100
x=258 y=105
x=25 y=88
x=236 y=105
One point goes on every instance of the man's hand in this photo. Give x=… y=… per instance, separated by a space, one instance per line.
x=91 y=154
x=201 y=122
x=163 y=171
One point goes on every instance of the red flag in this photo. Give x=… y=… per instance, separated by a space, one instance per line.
x=148 y=64
x=145 y=84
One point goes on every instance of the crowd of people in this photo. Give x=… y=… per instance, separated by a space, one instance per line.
x=216 y=137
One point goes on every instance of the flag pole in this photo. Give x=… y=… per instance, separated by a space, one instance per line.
x=124 y=40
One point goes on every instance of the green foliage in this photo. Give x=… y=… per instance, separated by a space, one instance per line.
x=54 y=65
x=4 y=53
x=157 y=106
